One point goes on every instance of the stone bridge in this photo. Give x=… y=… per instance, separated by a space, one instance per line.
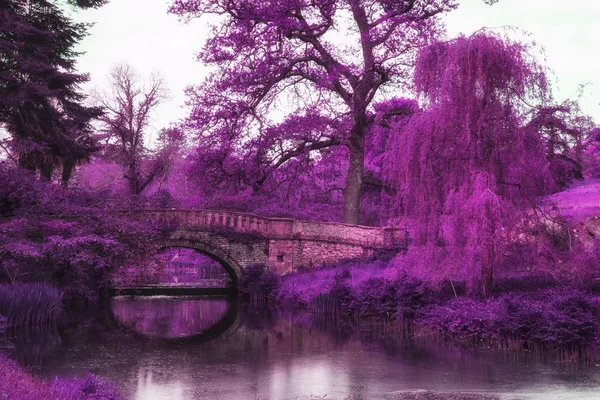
x=284 y=245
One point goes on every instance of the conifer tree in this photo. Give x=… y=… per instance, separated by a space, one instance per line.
x=41 y=102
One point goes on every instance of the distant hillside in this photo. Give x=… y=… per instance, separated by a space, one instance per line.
x=577 y=203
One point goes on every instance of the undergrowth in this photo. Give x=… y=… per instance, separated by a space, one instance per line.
x=17 y=384
x=30 y=304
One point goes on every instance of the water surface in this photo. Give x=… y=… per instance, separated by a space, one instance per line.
x=170 y=348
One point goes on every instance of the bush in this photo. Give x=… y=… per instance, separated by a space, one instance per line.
x=355 y=290
x=257 y=282
x=30 y=304
x=377 y=297
x=413 y=296
x=70 y=238
x=16 y=384
x=565 y=319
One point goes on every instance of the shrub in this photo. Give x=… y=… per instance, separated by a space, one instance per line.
x=565 y=319
x=413 y=296
x=30 y=304
x=16 y=384
x=462 y=319
x=257 y=282
x=377 y=297
x=71 y=238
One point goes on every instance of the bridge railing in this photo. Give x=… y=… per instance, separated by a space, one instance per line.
x=280 y=228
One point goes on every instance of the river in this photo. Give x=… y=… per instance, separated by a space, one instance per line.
x=162 y=348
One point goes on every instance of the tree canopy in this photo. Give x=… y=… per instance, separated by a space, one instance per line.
x=317 y=65
x=468 y=165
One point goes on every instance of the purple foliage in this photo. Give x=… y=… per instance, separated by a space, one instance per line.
x=465 y=168
x=550 y=319
x=375 y=298
x=257 y=282
x=592 y=154
x=16 y=384
x=355 y=290
x=280 y=52
x=30 y=304
x=68 y=238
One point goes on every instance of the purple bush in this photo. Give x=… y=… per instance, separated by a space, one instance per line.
x=413 y=296
x=17 y=384
x=377 y=297
x=564 y=319
x=69 y=238
x=355 y=290
x=258 y=283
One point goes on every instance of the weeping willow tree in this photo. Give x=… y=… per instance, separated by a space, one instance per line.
x=466 y=168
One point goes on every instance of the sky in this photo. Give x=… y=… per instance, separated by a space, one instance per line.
x=141 y=33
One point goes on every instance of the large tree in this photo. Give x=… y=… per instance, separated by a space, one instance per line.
x=469 y=165
x=128 y=104
x=296 y=76
x=565 y=130
x=41 y=104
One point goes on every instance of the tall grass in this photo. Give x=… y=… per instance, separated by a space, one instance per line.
x=30 y=304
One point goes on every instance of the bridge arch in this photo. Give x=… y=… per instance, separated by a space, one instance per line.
x=233 y=268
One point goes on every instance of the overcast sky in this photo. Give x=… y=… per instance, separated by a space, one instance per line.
x=141 y=33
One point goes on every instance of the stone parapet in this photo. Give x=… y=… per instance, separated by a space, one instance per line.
x=281 y=228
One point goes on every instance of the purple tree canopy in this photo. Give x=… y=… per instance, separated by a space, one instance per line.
x=293 y=77
x=467 y=165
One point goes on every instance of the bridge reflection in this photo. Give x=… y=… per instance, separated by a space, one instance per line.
x=176 y=318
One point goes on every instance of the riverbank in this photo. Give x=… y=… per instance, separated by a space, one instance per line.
x=276 y=355
x=18 y=384
x=555 y=319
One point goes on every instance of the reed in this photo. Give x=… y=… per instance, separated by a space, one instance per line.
x=25 y=304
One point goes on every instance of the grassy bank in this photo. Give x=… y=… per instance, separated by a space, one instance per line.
x=547 y=319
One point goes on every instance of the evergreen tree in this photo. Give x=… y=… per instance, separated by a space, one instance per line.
x=41 y=103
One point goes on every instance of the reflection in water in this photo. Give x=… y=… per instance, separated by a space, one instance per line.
x=148 y=389
x=168 y=317
x=276 y=356
x=34 y=342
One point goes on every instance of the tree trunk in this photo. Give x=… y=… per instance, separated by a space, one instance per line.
x=67 y=171
x=487 y=269
x=46 y=169
x=354 y=180
x=133 y=178
x=27 y=161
